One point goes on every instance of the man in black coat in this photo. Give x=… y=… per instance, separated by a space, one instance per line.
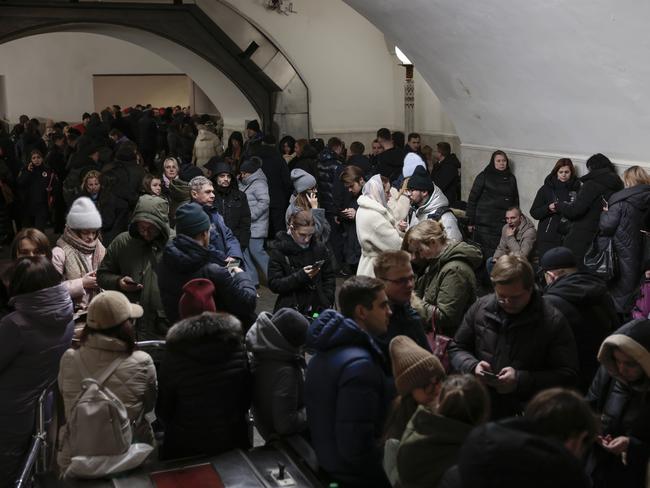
x=147 y=137
x=391 y=160
x=514 y=340
x=357 y=158
x=585 y=303
x=446 y=173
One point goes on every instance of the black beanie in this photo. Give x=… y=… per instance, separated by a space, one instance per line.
x=558 y=258
x=253 y=125
x=250 y=165
x=420 y=180
x=292 y=325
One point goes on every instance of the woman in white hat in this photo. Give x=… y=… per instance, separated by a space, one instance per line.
x=79 y=251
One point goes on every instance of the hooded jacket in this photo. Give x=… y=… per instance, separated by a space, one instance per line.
x=584 y=301
x=623 y=408
x=130 y=255
x=347 y=395
x=437 y=200
x=33 y=338
x=206 y=146
x=183 y=260
x=584 y=212
x=625 y=217
x=204 y=388
x=537 y=343
x=329 y=184
x=278 y=380
x=256 y=189
x=294 y=288
x=376 y=232
x=448 y=286
x=522 y=243
x=446 y=175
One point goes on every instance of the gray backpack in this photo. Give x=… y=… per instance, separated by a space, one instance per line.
x=99 y=424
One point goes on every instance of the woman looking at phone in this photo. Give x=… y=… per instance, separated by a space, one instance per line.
x=300 y=269
x=305 y=197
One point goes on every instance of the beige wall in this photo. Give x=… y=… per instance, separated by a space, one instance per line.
x=129 y=90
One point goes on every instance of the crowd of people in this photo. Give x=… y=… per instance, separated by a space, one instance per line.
x=467 y=346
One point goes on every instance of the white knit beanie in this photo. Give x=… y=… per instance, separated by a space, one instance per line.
x=412 y=161
x=83 y=215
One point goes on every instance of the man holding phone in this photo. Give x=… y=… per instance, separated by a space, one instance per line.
x=514 y=340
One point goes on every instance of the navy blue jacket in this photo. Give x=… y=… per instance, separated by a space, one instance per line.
x=347 y=394
x=185 y=259
x=221 y=237
x=329 y=185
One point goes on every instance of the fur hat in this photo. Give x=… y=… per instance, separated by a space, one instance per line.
x=83 y=215
x=413 y=366
x=197 y=298
x=420 y=180
x=302 y=180
x=412 y=161
x=191 y=219
x=111 y=308
x=292 y=325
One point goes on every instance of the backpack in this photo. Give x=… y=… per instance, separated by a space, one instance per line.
x=99 y=424
x=462 y=221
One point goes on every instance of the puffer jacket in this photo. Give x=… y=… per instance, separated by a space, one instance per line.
x=207 y=145
x=376 y=232
x=448 y=286
x=347 y=394
x=436 y=201
x=329 y=171
x=584 y=212
x=222 y=238
x=623 y=408
x=584 y=301
x=549 y=233
x=307 y=161
x=204 y=388
x=133 y=382
x=623 y=222
x=446 y=175
x=183 y=260
x=537 y=343
x=294 y=288
x=232 y=205
x=33 y=338
x=278 y=380
x=492 y=193
x=522 y=243
x=256 y=189
x=130 y=255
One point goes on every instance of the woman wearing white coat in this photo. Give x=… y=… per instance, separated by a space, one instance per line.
x=375 y=225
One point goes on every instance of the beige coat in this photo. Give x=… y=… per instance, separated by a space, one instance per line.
x=522 y=243
x=133 y=382
x=206 y=146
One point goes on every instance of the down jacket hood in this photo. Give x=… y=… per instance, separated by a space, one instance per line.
x=634 y=340
x=154 y=210
x=638 y=196
x=265 y=341
x=53 y=305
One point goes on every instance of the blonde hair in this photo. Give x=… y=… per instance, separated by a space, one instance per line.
x=93 y=173
x=426 y=232
x=635 y=175
x=510 y=269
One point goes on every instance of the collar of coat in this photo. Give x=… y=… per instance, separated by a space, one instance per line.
x=529 y=316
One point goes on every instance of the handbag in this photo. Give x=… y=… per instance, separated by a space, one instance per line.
x=439 y=344
x=602 y=262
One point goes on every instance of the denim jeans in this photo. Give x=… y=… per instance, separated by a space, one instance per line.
x=256 y=255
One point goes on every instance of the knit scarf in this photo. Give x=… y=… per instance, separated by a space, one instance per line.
x=74 y=247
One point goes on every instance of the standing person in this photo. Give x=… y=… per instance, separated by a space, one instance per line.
x=170 y=174
x=254 y=184
x=306 y=158
x=358 y=159
x=622 y=220
x=254 y=136
x=330 y=191
x=390 y=160
x=79 y=251
x=584 y=212
x=34 y=180
x=353 y=181
x=446 y=173
x=413 y=143
x=234 y=150
x=347 y=393
x=447 y=287
x=494 y=191
x=206 y=146
x=287 y=147
x=375 y=225
x=561 y=185
x=152 y=185
x=33 y=338
x=300 y=268
x=619 y=395
x=231 y=203
x=147 y=138
x=305 y=197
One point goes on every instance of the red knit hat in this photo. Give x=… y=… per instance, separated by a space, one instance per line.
x=197 y=298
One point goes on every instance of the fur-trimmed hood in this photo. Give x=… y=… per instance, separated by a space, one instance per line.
x=634 y=340
x=207 y=327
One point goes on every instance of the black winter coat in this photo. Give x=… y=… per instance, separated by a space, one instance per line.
x=549 y=233
x=185 y=259
x=329 y=171
x=232 y=204
x=623 y=221
x=307 y=161
x=204 y=389
x=446 y=175
x=537 y=343
x=584 y=212
x=287 y=278
x=583 y=300
x=147 y=133
x=33 y=187
x=361 y=161
x=391 y=162
x=123 y=178
x=493 y=192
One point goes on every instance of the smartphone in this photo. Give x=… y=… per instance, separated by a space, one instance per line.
x=131 y=281
x=319 y=264
x=489 y=375
x=604 y=202
x=232 y=265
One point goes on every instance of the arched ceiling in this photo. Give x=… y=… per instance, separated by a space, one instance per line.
x=564 y=76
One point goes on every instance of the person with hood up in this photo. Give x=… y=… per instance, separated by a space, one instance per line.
x=622 y=220
x=131 y=262
x=584 y=212
x=561 y=185
x=300 y=268
x=428 y=202
x=305 y=197
x=190 y=255
x=493 y=192
x=34 y=337
x=447 y=287
x=79 y=251
x=254 y=184
x=620 y=394
x=375 y=225
x=517 y=237
x=275 y=345
x=205 y=387
x=207 y=145
x=445 y=173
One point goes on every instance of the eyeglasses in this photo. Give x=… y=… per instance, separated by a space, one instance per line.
x=514 y=299
x=401 y=281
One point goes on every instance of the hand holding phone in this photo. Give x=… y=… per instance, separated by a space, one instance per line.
x=319 y=264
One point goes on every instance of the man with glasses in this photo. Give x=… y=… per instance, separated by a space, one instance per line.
x=394 y=269
x=514 y=340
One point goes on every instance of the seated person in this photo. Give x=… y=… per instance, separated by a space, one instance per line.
x=517 y=237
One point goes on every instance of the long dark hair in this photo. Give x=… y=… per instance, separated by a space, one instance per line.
x=599 y=161
x=561 y=163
